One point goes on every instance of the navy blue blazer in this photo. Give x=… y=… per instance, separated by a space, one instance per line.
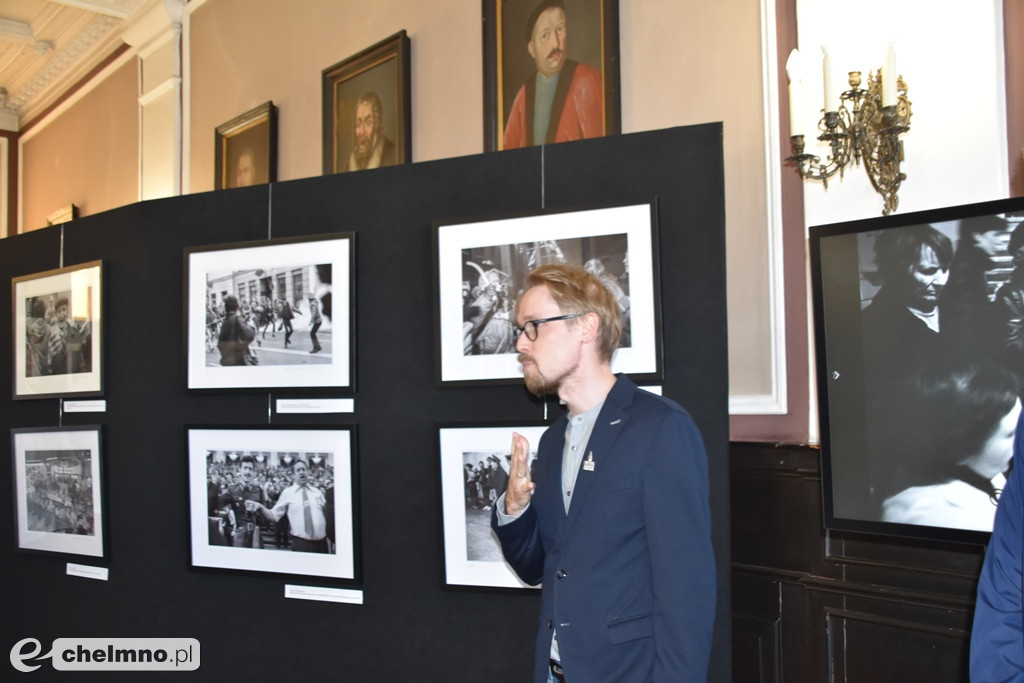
x=629 y=573
x=997 y=637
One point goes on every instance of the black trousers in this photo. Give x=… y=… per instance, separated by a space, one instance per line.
x=303 y=546
x=312 y=336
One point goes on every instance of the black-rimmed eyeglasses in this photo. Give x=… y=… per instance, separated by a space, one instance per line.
x=530 y=326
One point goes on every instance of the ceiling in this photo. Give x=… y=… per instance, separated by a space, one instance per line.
x=48 y=45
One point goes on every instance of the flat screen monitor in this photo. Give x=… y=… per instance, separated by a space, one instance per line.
x=919 y=336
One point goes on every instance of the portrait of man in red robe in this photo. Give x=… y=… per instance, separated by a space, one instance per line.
x=562 y=99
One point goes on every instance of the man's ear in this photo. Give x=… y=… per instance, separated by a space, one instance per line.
x=591 y=326
x=529 y=47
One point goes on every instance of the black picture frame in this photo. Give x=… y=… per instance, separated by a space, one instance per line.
x=220 y=541
x=317 y=269
x=593 y=40
x=58 y=354
x=878 y=424
x=379 y=75
x=247 y=144
x=471 y=555
x=480 y=266
x=60 y=491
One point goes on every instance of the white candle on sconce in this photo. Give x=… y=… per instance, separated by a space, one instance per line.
x=828 y=78
x=889 y=77
x=795 y=76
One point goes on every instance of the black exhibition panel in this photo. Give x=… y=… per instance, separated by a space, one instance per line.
x=410 y=627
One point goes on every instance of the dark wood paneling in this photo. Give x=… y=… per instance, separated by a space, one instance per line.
x=868 y=647
x=756 y=649
x=814 y=605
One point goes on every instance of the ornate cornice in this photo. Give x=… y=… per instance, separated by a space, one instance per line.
x=60 y=68
x=63 y=62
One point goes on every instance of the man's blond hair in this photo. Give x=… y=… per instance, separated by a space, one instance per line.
x=577 y=291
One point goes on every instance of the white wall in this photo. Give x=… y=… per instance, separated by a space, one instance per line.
x=950 y=53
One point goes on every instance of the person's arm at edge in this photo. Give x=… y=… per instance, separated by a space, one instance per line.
x=997 y=637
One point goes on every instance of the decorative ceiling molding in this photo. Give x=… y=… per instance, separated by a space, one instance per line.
x=16 y=31
x=46 y=46
x=64 y=61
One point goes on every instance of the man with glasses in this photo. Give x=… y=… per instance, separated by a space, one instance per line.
x=615 y=520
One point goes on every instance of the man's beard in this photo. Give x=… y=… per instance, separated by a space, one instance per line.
x=363 y=148
x=539 y=385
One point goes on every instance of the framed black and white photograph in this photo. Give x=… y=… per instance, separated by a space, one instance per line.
x=919 y=327
x=246 y=149
x=277 y=500
x=367 y=110
x=474 y=472
x=481 y=268
x=58 y=332
x=271 y=314
x=58 y=492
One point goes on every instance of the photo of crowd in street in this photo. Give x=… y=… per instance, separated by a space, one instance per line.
x=474 y=472
x=936 y=368
x=272 y=499
x=57 y=318
x=270 y=314
x=58 y=490
x=243 y=306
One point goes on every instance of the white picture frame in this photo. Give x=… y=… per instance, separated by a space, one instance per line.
x=59 y=493
x=210 y=449
x=474 y=255
x=72 y=366
x=317 y=267
x=472 y=554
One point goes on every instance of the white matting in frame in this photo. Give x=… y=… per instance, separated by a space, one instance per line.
x=472 y=554
x=58 y=332
x=210 y=450
x=292 y=270
x=477 y=259
x=58 y=490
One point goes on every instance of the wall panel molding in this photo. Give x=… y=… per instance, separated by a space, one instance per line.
x=776 y=400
